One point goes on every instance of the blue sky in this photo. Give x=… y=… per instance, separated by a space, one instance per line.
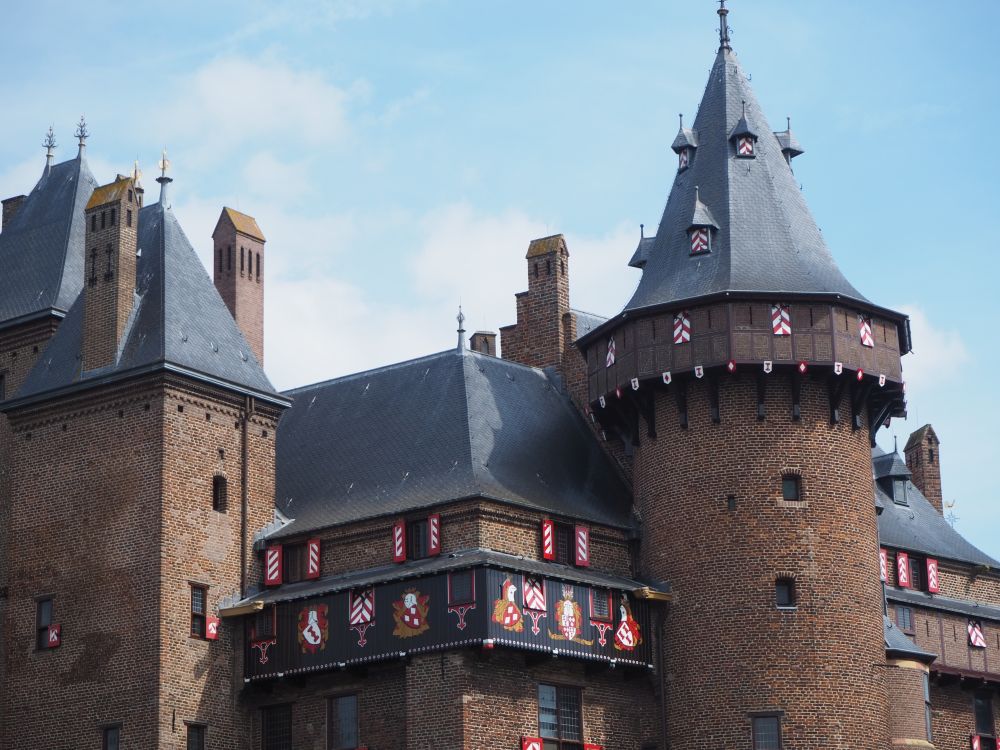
x=400 y=154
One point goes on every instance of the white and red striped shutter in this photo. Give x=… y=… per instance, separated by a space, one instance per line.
x=211 y=628
x=535 y=743
x=434 y=534
x=865 y=330
x=903 y=570
x=976 y=637
x=399 y=541
x=272 y=565
x=610 y=358
x=699 y=240
x=933 y=576
x=55 y=636
x=362 y=606
x=976 y=742
x=312 y=558
x=682 y=159
x=744 y=145
x=781 y=320
x=534 y=593
x=883 y=564
x=682 y=327
x=582 y=546
x=548 y=540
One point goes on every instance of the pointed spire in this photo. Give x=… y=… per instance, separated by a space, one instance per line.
x=461 y=330
x=723 y=11
x=81 y=134
x=164 y=165
x=50 y=145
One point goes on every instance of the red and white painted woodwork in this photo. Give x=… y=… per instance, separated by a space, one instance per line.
x=903 y=570
x=744 y=145
x=976 y=637
x=362 y=606
x=434 y=534
x=399 y=541
x=312 y=559
x=54 y=636
x=548 y=540
x=272 y=565
x=534 y=593
x=883 y=563
x=933 y=576
x=582 y=535
x=682 y=159
x=700 y=240
x=781 y=320
x=865 y=331
x=610 y=359
x=535 y=743
x=212 y=628
x=682 y=327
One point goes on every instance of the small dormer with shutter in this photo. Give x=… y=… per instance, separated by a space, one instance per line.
x=702 y=227
x=684 y=145
x=743 y=137
x=790 y=147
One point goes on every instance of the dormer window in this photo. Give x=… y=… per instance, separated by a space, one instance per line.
x=684 y=146
x=744 y=146
x=702 y=224
x=899 y=492
x=744 y=138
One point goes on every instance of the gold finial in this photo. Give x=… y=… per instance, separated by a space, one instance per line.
x=163 y=163
x=136 y=174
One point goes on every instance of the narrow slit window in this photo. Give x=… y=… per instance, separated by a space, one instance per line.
x=219 y=493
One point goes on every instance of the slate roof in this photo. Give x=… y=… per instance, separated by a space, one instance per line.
x=943 y=603
x=453 y=425
x=586 y=322
x=443 y=563
x=767 y=240
x=642 y=250
x=41 y=250
x=918 y=527
x=897 y=643
x=889 y=465
x=179 y=322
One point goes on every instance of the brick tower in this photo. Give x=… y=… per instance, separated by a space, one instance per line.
x=239 y=273
x=748 y=378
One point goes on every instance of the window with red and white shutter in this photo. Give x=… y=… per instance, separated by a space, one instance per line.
x=582 y=539
x=903 y=570
x=933 y=576
x=548 y=540
x=312 y=559
x=434 y=534
x=272 y=565
x=883 y=564
x=399 y=541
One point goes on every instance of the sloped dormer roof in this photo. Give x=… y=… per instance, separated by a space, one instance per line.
x=179 y=323
x=767 y=240
x=449 y=426
x=41 y=250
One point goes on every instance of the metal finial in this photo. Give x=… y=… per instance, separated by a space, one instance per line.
x=642 y=231
x=723 y=26
x=136 y=174
x=680 y=116
x=50 y=144
x=788 y=123
x=164 y=165
x=697 y=194
x=744 y=107
x=82 y=133
x=461 y=329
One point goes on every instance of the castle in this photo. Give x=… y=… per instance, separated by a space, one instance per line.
x=665 y=529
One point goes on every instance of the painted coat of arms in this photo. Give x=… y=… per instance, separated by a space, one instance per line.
x=410 y=614
x=313 y=629
x=569 y=618
x=505 y=609
x=627 y=637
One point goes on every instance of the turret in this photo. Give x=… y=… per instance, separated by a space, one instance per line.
x=923 y=458
x=748 y=377
x=238 y=271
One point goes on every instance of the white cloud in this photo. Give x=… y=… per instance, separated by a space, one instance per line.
x=922 y=368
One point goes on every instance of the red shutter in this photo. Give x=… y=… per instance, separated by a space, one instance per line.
x=272 y=565
x=976 y=742
x=535 y=743
x=883 y=564
x=590 y=746
x=55 y=636
x=582 y=546
x=212 y=628
x=903 y=570
x=548 y=540
x=312 y=558
x=399 y=541
x=434 y=534
x=933 y=578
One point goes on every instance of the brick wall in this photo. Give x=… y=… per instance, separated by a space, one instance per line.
x=907 y=710
x=952 y=716
x=728 y=646
x=241 y=288
x=924 y=462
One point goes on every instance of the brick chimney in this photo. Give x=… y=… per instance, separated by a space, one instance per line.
x=485 y=342
x=923 y=459
x=111 y=224
x=10 y=207
x=539 y=336
x=239 y=274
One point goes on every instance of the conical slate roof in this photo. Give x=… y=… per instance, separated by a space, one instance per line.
x=179 y=323
x=767 y=241
x=41 y=250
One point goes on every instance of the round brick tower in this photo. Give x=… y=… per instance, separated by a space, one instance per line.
x=747 y=378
